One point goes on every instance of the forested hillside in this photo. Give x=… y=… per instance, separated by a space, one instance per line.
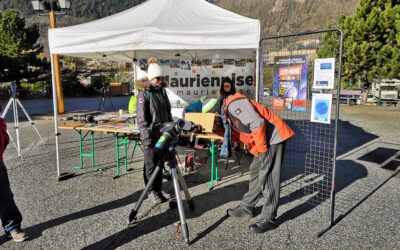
x=91 y=9
x=276 y=16
x=288 y=16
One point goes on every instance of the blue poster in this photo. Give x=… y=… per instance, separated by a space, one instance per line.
x=321 y=108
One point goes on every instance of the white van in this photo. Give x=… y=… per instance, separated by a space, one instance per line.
x=369 y=99
x=387 y=90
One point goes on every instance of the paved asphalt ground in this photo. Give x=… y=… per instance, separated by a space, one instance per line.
x=90 y=211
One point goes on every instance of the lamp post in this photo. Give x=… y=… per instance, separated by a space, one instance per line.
x=53 y=6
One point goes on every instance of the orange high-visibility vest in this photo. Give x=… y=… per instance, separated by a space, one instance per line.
x=254 y=124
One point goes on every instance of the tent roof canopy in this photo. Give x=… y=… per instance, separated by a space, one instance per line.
x=161 y=28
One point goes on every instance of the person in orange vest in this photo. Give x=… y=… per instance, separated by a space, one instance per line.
x=265 y=135
x=10 y=216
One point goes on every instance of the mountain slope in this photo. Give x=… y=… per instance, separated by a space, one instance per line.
x=276 y=16
x=288 y=16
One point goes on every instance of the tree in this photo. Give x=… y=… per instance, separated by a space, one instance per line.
x=20 y=56
x=372 y=42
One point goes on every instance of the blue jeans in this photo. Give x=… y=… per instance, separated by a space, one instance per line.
x=10 y=216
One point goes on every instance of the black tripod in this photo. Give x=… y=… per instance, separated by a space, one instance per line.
x=105 y=94
x=178 y=181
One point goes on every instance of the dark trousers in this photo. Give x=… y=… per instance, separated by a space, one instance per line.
x=265 y=173
x=10 y=216
x=151 y=160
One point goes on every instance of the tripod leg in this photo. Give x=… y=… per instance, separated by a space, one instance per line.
x=16 y=125
x=12 y=102
x=132 y=215
x=112 y=105
x=7 y=107
x=103 y=103
x=100 y=108
x=11 y=139
x=30 y=120
x=185 y=189
x=185 y=228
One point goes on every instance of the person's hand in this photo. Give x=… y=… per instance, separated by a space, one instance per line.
x=259 y=155
x=262 y=154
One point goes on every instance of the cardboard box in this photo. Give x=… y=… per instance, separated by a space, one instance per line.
x=119 y=88
x=206 y=120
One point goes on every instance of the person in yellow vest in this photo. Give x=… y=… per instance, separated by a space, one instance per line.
x=132 y=104
x=142 y=77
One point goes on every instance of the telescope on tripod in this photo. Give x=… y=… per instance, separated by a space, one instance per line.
x=13 y=103
x=105 y=94
x=165 y=144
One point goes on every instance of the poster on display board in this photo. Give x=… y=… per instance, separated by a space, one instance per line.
x=324 y=73
x=290 y=83
x=188 y=80
x=321 y=108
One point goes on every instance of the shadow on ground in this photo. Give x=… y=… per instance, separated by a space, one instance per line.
x=308 y=169
x=37 y=230
x=154 y=223
x=312 y=188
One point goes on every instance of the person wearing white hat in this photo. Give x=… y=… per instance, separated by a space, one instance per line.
x=154 y=72
x=152 y=110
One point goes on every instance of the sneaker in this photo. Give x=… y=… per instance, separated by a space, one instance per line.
x=241 y=211
x=157 y=197
x=263 y=226
x=18 y=236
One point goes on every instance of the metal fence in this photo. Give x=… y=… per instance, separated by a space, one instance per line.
x=310 y=159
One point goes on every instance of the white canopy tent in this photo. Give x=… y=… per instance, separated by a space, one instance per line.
x=194 y=29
